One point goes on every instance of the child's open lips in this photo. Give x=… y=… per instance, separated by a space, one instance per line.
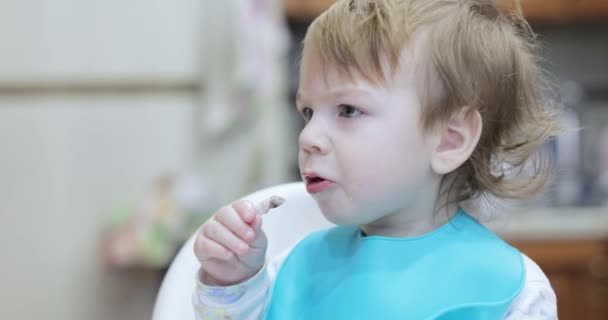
x=310 y=180
x=316 y=184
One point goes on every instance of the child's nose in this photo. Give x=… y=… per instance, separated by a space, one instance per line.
x=313 y=138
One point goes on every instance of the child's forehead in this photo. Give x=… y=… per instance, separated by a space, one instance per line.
x=339 y=91
x=414 y=73
x=324 y=79
x=410 y=68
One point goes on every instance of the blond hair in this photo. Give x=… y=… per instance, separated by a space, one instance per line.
x=486 y=60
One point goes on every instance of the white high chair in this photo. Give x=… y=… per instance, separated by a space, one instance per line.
x=284 y=225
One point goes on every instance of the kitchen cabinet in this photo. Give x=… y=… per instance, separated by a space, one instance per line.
x=561 y=11
x=558 y=11
x=578 y=271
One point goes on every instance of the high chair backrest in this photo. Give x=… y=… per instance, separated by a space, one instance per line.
x=284 y=226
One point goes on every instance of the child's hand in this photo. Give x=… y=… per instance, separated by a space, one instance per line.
x=231 y=246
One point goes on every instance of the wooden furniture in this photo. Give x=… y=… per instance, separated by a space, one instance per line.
x=578 y=271
x=559 y=11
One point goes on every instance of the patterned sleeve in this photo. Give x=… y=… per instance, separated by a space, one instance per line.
x=245 y=301
x=537 y=300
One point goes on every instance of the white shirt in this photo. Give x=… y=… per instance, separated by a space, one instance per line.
x=247 y=301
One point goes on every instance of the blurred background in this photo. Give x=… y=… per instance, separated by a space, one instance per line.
x=124 y=124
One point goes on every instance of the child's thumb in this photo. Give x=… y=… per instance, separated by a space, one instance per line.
x=256 y=224
x=260 y=241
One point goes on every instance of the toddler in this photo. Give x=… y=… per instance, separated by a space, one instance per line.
x=411 y=108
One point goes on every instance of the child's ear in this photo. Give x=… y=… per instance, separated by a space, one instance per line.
x=456 y=141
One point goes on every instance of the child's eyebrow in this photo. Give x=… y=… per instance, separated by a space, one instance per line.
x=349 y=91
x=339 y=93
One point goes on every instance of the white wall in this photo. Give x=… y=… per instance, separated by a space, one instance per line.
x=64 y=162
x=92 y=39
x=66 y=158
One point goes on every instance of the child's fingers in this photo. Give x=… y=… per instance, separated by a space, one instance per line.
x=220 y=234
x=233 y=221
x=272 y=202
x=245 y=209
x=205 y=249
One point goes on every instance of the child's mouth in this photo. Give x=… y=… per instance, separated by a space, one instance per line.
x=317 y=184
x=315 y=180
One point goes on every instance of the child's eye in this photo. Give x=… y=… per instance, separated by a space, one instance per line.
x=348 y=111
x=306 y=113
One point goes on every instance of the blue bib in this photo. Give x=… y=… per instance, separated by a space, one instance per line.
x=458 y=271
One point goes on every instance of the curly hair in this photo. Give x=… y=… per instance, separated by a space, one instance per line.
x=486 y=60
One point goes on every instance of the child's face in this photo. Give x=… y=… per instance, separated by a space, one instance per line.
x=365 y=141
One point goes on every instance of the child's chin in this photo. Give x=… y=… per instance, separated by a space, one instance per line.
x=339 y=218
